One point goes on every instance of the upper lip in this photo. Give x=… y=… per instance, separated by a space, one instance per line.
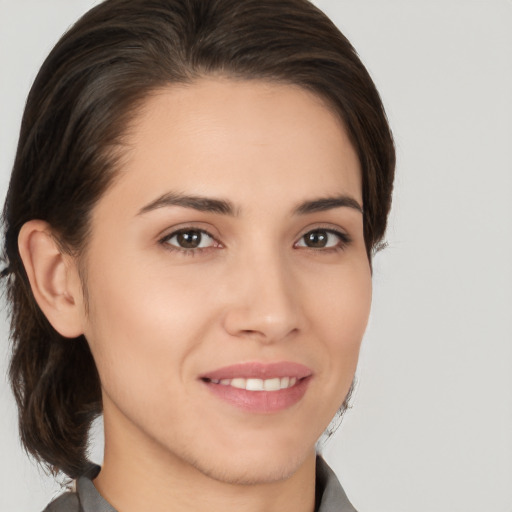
x=259 y=370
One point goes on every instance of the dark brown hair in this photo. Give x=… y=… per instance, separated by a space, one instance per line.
x=80 y=104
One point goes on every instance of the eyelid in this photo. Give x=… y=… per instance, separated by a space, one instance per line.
x=203 y=227
x=176 y=230
x=344 y=237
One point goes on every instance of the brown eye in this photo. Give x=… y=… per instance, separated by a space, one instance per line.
x=322 y=239
x=190 y=239
x=316 y=239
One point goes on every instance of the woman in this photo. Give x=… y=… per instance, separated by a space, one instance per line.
x=197 y=193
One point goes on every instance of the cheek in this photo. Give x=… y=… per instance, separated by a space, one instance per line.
x=144 y=325
x=339 y=316
x=341 y=306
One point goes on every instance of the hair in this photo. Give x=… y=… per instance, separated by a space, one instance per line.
x=86 y=93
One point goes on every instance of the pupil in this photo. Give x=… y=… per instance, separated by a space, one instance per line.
x=189 y=239
x=316 y=239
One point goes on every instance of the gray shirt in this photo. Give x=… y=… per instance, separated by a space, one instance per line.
x=330 y=496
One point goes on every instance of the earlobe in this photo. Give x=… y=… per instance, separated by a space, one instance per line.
x=53 y=278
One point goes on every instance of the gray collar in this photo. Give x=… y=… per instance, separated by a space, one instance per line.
x=90 y=499
x=330 y=496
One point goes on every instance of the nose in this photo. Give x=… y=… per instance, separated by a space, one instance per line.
x=264 y=303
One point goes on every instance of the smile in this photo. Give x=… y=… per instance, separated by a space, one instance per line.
x=257 y=387
x=274 y=384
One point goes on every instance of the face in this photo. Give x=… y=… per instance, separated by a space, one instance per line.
x=227 y=279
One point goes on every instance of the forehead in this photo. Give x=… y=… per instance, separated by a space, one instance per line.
x=237 y=139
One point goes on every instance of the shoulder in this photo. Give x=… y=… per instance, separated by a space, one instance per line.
x=68 y=502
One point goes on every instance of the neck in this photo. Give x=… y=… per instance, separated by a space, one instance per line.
x=146 y=477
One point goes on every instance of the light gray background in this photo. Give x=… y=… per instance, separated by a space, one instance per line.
x=431 y=427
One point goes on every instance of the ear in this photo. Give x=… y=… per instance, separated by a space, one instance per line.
x=53 y=277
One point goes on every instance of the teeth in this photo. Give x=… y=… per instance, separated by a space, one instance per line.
x=254 y=385
x=238 y=383
x=274 y=384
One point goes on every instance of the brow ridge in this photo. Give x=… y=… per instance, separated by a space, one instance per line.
x=225 y=207
x=200 y=203
x=328 y=203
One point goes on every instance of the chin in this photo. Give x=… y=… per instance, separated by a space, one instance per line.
x=242 y=466
x=243 y=471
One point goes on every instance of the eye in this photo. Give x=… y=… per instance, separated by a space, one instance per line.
x=189 y=239
x=323 y=239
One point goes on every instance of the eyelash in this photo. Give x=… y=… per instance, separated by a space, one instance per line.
x=344 y=241
x=192 y=251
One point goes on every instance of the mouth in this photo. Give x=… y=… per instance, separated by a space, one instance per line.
x=260 y=387
x=275 y=384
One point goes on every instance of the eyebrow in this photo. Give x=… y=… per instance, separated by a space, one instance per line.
x=224 y=207
x=200 y=203
x=328 y=203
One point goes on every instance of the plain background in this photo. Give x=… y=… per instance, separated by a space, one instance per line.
x=431 y=426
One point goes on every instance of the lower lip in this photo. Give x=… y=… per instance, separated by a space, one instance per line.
x=262 y=402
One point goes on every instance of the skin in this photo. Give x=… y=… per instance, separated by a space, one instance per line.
x=159 y=316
